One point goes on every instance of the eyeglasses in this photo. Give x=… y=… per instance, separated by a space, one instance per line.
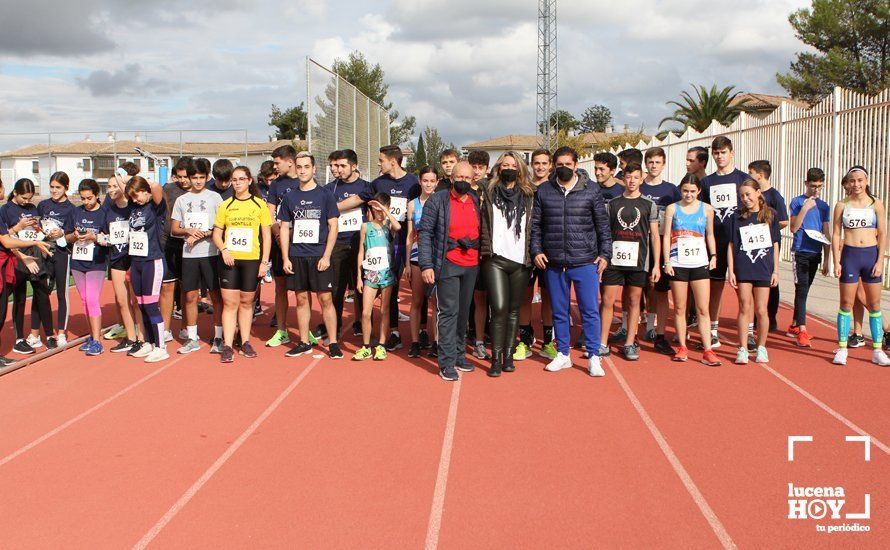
x=816 y=187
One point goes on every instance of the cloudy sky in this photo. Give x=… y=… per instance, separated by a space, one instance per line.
x=465 y=67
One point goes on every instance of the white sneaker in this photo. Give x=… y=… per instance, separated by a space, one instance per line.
x=840 y=356
x=403 y=318
x=878 y=357
x=156 y=355
x=34 y=341
x=536 y=299
x=183 y=335
x=559 y=362
x=168 y=336
x=62 y=340
x=595 y=366
x=144 y=351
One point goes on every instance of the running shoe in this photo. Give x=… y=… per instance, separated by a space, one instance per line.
x=479 y=351
x=561 y=362
x=449 y=374
x=536 y=298
x=886 y=341
x=522 y=352
x=464 y=365
x=604 y=351
x=762 y=355
x=177 y=314
x=663 y=346
x=414 y=350
x=434 y=349
x=5 y=362
x=257 y=310
x=619 y=337
x=856 y=341
x=51 y=343
x=22 y=347
x=350 y=297
x=424 y=339
x=691 y=320
x=183 y=334
x=379 y=353
x=682 y=354
x=313 y=341
x=122 y=346
x=226 y=355
x=840 y=356
x=204 y=307
x=300 y=349
x=321 y=331
x=710 y=359
x=62 y=340
x=793 y=331
x=752 y=343
x=115 y=332
x=95 y=348
x=403 y=318
x=394 y=342
x=356 y=329
x=85 y=346
x=216 y=346
x=168 y=336
x=548 y=351
x=595 y=367
x=650 y=335
x=140 y=349
x=879 y=358
x=273 y=322
x=279 y=338
x=632 y=352
x=34 y=341
x=157 y=355
x=741 y=358
x=247 y=350
x=334 y=351
x=189 y=346
x=803 y=339
x=363 y=353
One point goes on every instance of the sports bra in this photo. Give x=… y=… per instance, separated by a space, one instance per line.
x=859 y=218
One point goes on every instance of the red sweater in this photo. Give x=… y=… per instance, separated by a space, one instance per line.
x=464 y=223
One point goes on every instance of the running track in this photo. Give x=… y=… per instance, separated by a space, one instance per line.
x=110 y=452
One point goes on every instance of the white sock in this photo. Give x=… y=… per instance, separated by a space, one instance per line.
x=650 y=321
x=192 y=332
x=714 y=326
x=751 y=329
x=217 y=331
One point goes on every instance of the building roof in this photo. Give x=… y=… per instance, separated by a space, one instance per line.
x=761 y=102
x=128 y=147
x=528 y=142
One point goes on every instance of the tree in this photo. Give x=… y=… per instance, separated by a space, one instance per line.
x=370 y=80
x=595 y=119
x=562 y=120
x=290 y=124
x=709 y=105
x=852 y=39
x=420 y=153
x=433 y=143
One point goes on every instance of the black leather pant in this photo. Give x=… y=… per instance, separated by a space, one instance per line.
x=506 y=282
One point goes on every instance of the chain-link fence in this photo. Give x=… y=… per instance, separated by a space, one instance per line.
x=342 y=117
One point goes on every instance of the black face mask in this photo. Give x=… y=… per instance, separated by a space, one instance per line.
x=509 y=175
x=461 y=187
x=564 y=174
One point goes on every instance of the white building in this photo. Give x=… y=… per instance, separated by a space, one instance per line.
x=99 y=159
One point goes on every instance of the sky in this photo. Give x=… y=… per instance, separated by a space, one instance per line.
x=467 y=68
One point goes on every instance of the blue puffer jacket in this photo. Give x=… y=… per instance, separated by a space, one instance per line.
x=571 y=229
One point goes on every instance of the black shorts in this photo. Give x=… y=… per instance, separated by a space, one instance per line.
x=173 y=259
x=757 y=284
x=307 y=276
x=537 y=275
x=277 y=261
x=200 y=273
x=686 y=274
x=719 y=272
x=663 y=284
x=120 y=264
x=243 y=276
x=616 y=277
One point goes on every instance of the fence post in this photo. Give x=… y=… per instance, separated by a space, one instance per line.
x=835 y=143
x=783 y=148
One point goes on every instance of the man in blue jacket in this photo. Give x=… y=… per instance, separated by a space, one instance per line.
x=572 y=242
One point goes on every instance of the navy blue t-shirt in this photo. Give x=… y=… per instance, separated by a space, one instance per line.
x=11 y=213
x=401 y=191
x=281 y=186
x=114 y=213
x=610 y=193
x=713 y=193
x=776 y=201
x=813 y=220
x=308 y=213
x=226 y=193
x=85 y=221
x=342 y=190
x=753 y=265
x=56 y=212
x=663 y=195
x=149 y=217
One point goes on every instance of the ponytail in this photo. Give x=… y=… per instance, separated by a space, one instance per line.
x=765 y=215
x=22 y=187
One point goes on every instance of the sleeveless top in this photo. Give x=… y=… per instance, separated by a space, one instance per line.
x=415 y=219
x=859 y=218
x=686 y=225
x=376 y=239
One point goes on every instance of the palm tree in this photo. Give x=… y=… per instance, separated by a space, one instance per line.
x=720 y=105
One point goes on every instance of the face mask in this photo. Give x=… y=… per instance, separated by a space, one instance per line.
x=461 y=187
x=564 y=174
x=509 y=175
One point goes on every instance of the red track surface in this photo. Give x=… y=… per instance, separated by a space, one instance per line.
x=309 y=453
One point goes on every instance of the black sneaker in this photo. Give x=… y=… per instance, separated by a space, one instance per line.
x=661 y=345
x=449 y=374
x=257 y=310
x=51 y=343
x=334 y=351
x=300 y=349
x=134 y=347
x=424 y=339
x=321 y=331
x=414 y=350
x=886 y=341
x=247 y=351
x=236 y=341
x=273 y=322
x=123 y=346
x=856 y=341
x=434 y=349
x=202 y=307
x=393 y=343
x=5 y=362
x=22 y=347
x=356 y=329
x=464 y=366
x=226 y=355
x=752 y=343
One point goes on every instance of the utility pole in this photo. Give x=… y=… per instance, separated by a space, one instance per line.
x=546 y=71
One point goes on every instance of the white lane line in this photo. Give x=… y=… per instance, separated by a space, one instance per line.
x=223 y=458
x=826 y=408
x=438 y=507
x=58 y=429
x=684 y=476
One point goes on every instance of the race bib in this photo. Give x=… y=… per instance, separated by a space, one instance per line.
x=376 y=259
x=350 y=221
x=755 y=237
x=197 y=220
x=139 y=244
x=625 y=253
x=30 y=235
x=398 y=207
x=305 y=231
x=239 y=239
x=83 y=251
x=858 y=217
x=119 y=232
x=691 y=251
x=817 y=236
x=724 y=196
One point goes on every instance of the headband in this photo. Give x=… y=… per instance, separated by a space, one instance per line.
x=857 y=169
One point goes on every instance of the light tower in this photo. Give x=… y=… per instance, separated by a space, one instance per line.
x=546 y=70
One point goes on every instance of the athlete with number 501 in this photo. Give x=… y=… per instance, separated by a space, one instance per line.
x=858 y=241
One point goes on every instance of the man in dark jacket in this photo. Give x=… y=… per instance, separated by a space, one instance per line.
x=572 y=242
x=448 y=253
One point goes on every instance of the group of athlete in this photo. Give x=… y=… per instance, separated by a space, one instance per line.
x=476 y=243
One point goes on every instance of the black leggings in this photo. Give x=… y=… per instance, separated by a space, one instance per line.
x=805 y=265
x=4 y=301
x=40 y=300
x=59 y=267
x=506 y=282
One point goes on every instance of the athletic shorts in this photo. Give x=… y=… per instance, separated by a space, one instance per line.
x=307 y=276
x=686 y=274
x=173 y=259
x=719 y=272
x=663 y=284
x=537 y=275
x=243 y=276
x=615 y=277
x=857 y=263
x=200 y=273
x=757 y=284
x=121 y=264
x=277 y=261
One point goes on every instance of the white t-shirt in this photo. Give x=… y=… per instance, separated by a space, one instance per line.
x=503 y=238
x=198 y=210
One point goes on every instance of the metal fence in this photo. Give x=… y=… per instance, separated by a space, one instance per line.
x=342 y=117
x=845 y=129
